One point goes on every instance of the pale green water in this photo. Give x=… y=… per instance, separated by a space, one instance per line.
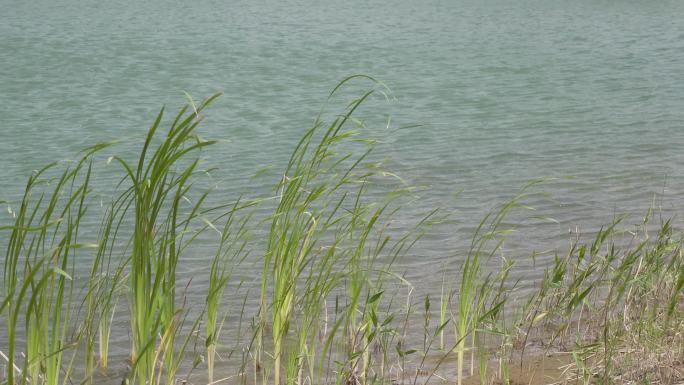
x=506 y=91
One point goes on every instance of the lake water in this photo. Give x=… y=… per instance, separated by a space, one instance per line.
x=590 y=92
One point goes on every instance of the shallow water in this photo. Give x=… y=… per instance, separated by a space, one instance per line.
x=589 y=92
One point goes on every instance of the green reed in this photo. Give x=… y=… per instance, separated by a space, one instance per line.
x=329 y=308
x=159 y=183
x=475 y=289
x=230 y=252
x=38 y=269
x=311 y=200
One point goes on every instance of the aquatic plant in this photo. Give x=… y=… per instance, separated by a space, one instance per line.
x=38 y=270
x=332 y=307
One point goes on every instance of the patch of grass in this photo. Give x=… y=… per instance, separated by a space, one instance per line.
x=331 y=307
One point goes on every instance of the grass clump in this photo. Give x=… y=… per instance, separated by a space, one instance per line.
x=157 y=189
x=38 y=284
x=317 y=245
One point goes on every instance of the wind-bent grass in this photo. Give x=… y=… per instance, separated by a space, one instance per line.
x=330 y=311
x=316 y=201
x=157 y=191
x=103 y=291
x=325 y=239
x=474 y=289
x=230 y=252
x=38 y=270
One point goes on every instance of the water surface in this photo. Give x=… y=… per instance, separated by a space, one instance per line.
x=591 y=92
